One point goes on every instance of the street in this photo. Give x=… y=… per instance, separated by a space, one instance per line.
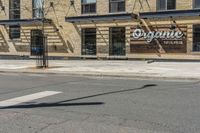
x=58 y=103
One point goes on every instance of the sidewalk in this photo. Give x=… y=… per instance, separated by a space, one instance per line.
x=137 y=69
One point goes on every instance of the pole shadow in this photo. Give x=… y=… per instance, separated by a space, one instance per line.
x=65 y=102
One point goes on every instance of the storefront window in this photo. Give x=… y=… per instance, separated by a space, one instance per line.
x=196 y=38
x=196 y=3
x=14 y=13
x=14 y=32
x=117 y=41
x=37 y=9
x=166 y=5
x=37 y=42
x=89 y=41
x=88 y=6
x=117 y=5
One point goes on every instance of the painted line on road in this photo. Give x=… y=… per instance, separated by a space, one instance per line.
x=27 y=98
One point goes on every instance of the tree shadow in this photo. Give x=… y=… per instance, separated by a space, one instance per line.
x=65 y=102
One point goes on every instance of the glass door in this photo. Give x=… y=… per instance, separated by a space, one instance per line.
x=117 y=41
x=89 y=41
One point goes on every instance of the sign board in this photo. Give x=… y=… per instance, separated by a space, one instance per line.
x=172 y=41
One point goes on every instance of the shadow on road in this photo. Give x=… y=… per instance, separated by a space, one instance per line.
x=64 y=103
x=43 y=105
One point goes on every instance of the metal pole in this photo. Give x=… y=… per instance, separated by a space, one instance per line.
x=45 y=45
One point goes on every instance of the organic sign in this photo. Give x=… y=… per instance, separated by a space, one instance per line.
x=171 y=41
x=149 y=36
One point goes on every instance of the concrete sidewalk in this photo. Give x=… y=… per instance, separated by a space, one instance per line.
x=141 y=69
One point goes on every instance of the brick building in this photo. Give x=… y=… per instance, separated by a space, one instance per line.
x=103 y=28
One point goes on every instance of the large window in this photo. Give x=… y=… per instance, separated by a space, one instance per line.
x=117 y=5
x=14 y=9
x=37 y=8
x=196 y=3
x=88 y=6
x=163 y=5
x=196 y=38
x=89 y=41
x=14 y=31
x=14 y=13
x=117 y=41
x=37 y=41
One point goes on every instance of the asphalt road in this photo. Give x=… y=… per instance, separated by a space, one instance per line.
x=98 y=105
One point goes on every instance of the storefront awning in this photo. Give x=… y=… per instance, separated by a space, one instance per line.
x=170 y=14
x=24 y=22
x=96 y=18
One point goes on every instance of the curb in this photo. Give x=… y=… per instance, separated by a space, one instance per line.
x=95 y=74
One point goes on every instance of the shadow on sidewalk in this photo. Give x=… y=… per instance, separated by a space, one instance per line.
x=64 y=103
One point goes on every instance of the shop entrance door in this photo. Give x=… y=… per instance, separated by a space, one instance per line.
x=117 y=41
x=196 y=38
x=89 y=41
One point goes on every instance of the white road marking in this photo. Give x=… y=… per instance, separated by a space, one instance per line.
x=27 y=98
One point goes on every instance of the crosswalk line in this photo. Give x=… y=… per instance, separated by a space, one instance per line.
x=27 y=98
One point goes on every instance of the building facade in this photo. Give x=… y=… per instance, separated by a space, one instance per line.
x=138 y=29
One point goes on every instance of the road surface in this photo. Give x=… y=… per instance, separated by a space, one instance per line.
x=53 y=103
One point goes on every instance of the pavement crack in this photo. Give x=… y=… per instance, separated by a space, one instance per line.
x=51 y=124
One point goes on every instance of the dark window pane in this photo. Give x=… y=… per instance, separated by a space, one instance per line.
x=14 y=9
x=14 y=32
x=88 y=6
x=117 y=5
x=171 y=4
x=117 y=41
x=161 y=4
x=37 y=41
x=89 y=41
x=196 y=38
x=14 y=13
x=196 y=3
x=166 y=5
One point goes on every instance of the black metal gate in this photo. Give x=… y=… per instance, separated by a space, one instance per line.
x=39 y=48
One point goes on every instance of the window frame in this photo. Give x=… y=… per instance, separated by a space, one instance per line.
x=121 y=38
x=110 y=1
x=12 y=30
x=12 y=10
x=193 y=41
x=37 y=10
x=14 y=16
x=166 y=6
x=84 y=45
x=193 y=5
x=88 y=4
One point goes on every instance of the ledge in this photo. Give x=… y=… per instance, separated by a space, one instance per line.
x=97 y=18
x=170 y=14
x=25 y=22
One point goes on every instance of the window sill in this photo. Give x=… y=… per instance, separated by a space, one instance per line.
x=88 y=14
x=195 y=52
x=17 y=40
x=121 y=12
x=166 y=10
